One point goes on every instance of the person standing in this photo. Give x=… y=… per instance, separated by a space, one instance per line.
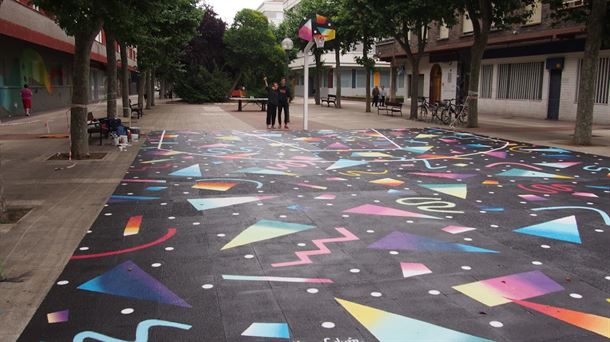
x=383 y=95
x=375 y=96
x=272 y=103
x=26 y=98
x=284 y=103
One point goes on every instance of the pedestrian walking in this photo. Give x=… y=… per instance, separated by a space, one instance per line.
x=26 y=98
x=375 y=96
x=272 y=103
x=383 y=93
x=284 y=103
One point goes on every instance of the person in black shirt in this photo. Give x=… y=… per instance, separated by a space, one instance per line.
x=284 y=103
x=272 y=103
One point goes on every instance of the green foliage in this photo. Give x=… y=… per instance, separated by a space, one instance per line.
x=200 y=85
x=253 y=51
x=581 y=14
x=75 y=16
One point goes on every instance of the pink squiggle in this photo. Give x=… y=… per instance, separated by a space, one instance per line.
x=322 y=249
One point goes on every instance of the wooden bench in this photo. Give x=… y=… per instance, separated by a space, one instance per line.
x=329 y=99
x=390 y=108
x=96 y=126
x=136 y=108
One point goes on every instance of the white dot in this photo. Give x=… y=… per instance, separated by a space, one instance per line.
x=370 y=231
x=345 y=216
x=169 y=249
x=301 y=244
x=576 y=295
x=493 y=225
x=207 y=286
x=127 y=311
x=467 y=239
x=312 y=291
x=607 y=277
x=434 y=292
x=536 y=263
x=235 y=214
x=108 y=214
x=196 y=223
x=249 y=256
x=65 y=282
x=89 y=231
x=496 y=324
x=221 y=235
x=599 y=230
x=409 y=221
x=156 y=264
x=545 y=246
x=355 y=270
x=394 y=252
x=172 y=218
x=83 y=249
x=328 y=325
x=466 y=268
x=163 y=203
x=376 y=294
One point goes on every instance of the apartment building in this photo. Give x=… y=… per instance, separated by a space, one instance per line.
x=532 y=70
x=36 y=51
x=353 y=75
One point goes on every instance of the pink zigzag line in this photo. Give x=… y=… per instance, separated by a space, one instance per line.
x=322 y=249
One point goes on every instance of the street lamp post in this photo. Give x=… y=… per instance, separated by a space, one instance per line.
x=287 y=45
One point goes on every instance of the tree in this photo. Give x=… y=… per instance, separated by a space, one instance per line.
x=253 y=51
x=408 y=22
x=596 y=15
x=485 y=14
x=82 y=19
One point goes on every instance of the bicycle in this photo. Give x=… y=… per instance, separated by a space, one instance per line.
x=447 y=111
x=423 y=108
x=461 y=111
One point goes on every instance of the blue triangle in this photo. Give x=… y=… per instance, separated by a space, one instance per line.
x=191 y=171
x=412 y=242
x=128 y=280
x=343 y=163
x=417 y=149
x=564 y=229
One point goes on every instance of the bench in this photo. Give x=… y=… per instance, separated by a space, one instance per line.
x=136 y=108
x=390 y=108
x=242 y=102
x=329 y=99
x=96 y=126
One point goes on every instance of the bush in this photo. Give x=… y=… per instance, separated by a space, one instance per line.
x=198 y=85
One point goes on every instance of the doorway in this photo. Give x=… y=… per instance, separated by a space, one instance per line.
x=554 y=95
x=436 y=83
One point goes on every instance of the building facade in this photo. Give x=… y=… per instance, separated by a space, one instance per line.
x=37 y=52
x=532 y=70
x=353 y=75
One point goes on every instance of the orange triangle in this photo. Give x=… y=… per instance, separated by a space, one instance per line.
x=597 y=324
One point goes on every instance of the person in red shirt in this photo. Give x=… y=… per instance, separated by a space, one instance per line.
x=26 y=97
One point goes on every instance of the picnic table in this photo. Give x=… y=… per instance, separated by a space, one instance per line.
x=242 y=102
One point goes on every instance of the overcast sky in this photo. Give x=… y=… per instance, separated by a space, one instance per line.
x=227 y=8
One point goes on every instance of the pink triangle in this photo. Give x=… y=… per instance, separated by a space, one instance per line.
x=497 y=154
x=448 y=141
x=370 y=209
x=444 y=175
x=337 y=146
x=413 y=269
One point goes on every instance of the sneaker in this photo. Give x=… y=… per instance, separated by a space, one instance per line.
x=272 y=127
x=286 y=127
x=27 y=114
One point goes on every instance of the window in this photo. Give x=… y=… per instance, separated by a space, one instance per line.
x=486 y=80
x=520 y=81
x=346 y=78
x=353 y=78
x=420 y=86
x=384 y=78
x=443 y=31
x=401 y=81
x=466 y=24
x=360 y=78
x=602 y=82
x=536 y=17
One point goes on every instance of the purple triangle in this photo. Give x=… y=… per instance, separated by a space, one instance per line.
x=412 y=242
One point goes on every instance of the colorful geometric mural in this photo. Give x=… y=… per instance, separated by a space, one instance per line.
x=332 y=235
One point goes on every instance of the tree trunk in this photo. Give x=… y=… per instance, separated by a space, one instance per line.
x=393 y=82
x=318 y=74
x=367 y=86
x=79 y=143
x=583 y=130
x=141 y=88
x=476 y=55
x=125 y=80
x=414 y=86
x=111 y=75
x=338 y=78
x=153 y=79
x=234 y=86
x=3 y=205
x=162 y=89
x=148 y=87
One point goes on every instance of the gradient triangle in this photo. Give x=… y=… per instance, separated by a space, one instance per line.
x=457 y=190
x=370 y=209
x=516 y=172
x=417 y=149
x=425 y=136
x=413 y=269
x=343 y=163
x=270 y=330
x=265 y=230
x=219 y=202
x=191 y=171
x=564 y=229
x=561 y=165
x=412 y=242
x=594 y=323
x=390 y=327
x=216 y=186
x=261 y=171
x=337 y=146
x=371 y=155
x=128 y=280
x=497 y=154
x=444 y=175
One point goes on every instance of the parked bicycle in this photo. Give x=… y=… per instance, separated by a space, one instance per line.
x=426 y=107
